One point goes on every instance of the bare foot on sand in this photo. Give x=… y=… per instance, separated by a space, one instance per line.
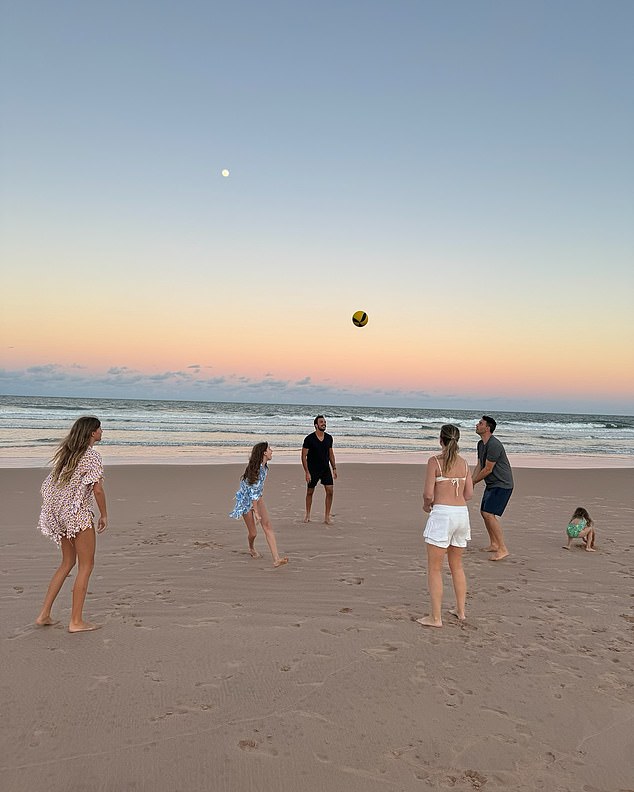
x=454 y=612
x=280 y=562
x=488 y=549
x=499 y=556
x=46 y=622
x=427 y=621
x=565 y=547
x=590 y=550
x=254 y=553
x=307 y=518
x=83 y=627
x=327 y=521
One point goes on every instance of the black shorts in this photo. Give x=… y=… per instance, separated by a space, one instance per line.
x=495 y=499
x=325 y=476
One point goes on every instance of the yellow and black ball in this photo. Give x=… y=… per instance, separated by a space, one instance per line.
x=359 y=318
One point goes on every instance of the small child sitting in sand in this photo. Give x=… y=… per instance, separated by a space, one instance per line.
x=581 y=527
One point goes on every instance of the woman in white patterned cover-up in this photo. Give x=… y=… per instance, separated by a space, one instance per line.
x=67 y=517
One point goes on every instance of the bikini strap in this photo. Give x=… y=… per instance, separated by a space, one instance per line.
x=438 y=463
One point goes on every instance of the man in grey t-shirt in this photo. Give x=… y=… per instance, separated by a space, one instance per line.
x=493 y=467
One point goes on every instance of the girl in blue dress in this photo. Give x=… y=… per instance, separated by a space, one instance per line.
x=250 y=505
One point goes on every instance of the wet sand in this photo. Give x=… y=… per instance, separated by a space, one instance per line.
x=214 y=671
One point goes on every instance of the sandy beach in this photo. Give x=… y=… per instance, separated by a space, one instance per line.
x=214 y=671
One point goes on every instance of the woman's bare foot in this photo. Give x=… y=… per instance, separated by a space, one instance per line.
x=280 y=562
x=428 y=621
x=454 y=612
x=83 y=627
x=566 y=547
x=254 y=553
x=327 y=521
x=488 y=549
x=307 y=518
x=590 y=550
x=499 y=556
x=45 y=621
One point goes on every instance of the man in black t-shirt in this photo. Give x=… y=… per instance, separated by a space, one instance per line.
x=495 y=470
x=317 y=459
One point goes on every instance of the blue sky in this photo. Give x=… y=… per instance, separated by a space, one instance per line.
x=463 y=171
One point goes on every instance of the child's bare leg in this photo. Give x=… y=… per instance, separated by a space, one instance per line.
x=249 y=519
x=589 y=539
x=270 y=537
x=567 y=546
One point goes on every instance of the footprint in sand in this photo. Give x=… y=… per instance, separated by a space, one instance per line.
x=477 y=780
x=100 y=680
x=398 y=612
x=385 y=650
x=354 y=581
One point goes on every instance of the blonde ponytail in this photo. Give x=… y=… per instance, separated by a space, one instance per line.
x=449 y=436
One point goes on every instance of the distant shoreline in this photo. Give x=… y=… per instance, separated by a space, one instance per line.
x=156 y=456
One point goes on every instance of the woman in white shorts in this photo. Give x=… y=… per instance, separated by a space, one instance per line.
x=448 y=487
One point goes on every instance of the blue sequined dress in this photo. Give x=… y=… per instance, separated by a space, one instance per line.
x=249 y=493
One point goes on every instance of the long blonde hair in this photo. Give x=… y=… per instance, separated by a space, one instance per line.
x=252 y=470
x=73 y=447
x=449 y=436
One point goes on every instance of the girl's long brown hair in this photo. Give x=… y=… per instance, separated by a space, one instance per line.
x=252 y=470
x=449 y=436
x=581 y=513
x=73 y=447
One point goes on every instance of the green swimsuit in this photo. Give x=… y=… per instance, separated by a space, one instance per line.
x=574 y=528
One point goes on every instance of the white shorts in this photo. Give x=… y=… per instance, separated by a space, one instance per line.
x=448 y=525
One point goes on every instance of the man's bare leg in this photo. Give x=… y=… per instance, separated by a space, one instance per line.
x=309 y=503
x=329 y=496
x=492 y=546
x=494 y=529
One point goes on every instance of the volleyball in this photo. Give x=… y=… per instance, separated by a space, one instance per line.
x=359 y=318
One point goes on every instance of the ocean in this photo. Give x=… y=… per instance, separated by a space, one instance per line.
x=211 y=432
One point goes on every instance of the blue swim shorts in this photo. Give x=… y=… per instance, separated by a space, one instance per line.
x=495 y=500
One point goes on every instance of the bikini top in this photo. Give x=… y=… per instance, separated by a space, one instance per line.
x=455 y=480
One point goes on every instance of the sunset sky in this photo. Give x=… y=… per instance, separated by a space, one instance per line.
x=461 y=171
